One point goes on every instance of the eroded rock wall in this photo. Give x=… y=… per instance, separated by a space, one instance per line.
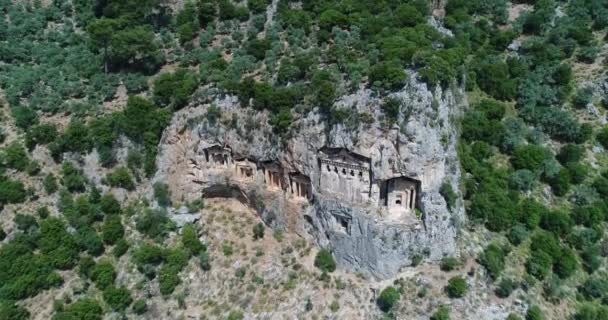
x=362 y=236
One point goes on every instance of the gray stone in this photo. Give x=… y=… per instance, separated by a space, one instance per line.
x=360 y=231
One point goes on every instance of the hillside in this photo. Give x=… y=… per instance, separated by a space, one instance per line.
x=345 y=159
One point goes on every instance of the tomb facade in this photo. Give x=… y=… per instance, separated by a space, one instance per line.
x=299 y=186
x=244 y=169
x=401 y=194
x=273 y=176
x=218 y=156
x=345 y=174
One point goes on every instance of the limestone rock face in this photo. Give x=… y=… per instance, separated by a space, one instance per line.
x=281 y=178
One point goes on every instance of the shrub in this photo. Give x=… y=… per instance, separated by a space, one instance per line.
x=118 y=299
x=391 y=108
x=139 y=307
x=457 y=287
x=448 y=194
x=73 y=179
x=120 y=248
x=570 y=153
x=121 y=178
x=566 y=265
x=534 y=313
x=85 y=308
x=11 y=191
x=517 y=234
x=529 y=157
x=558 y=222
x=50 y=184
x=112 y=229
x=493 y=259
x=258 y=231
x=12 y=311
x=539 y=264
x=190 y=240
x=449 y=264
x=325 y=261
x=513 y=316
x=387 y=299
x=109 y=205
x=505 y=287
x=522 y=180
x=40 y=134
x=148 y=254
x=153 y=223
x=14 y=156
x=24 y=116
x=204 y=261
x=174 y=89
x=168 y=279
x=443 y=313
x=103 y=274
x=162 y=194
x=602 y=137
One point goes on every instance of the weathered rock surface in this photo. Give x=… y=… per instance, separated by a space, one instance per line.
x=421 y=146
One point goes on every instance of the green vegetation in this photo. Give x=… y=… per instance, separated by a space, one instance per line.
x=457 y=287
x=325 y=261
x=388 y=297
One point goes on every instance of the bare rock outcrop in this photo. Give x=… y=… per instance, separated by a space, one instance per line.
x=239 y=156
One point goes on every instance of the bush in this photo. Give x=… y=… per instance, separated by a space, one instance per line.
x=40 y=134
x=121 y=178
x=162 y=194
x=505 y=287
x=118 y=299
x=443 y=313
x=602 y=137
x=12 y=311
x=449 y=264
x=153 y=223
x=493 y=259
x=325 y=261
x=73 y=179
x=517 y=234
x=50 y=184
x=190 y=240
x=168 y=279
x=529 y=157
x=204 y=261
x=539 y=264
x=11 y=191
x=391 y=108
x=448 y=194
x=387 y=299
x=109 y=205
x=258 y=231
x=14 y=156
x=457 y=287
x=174 y=89
x=112 y=229
x=139 y=307
x=566 y=265
x=103 y=274
x=570 y=153
x=120 y=248
x=534 y=313
x=85 y=308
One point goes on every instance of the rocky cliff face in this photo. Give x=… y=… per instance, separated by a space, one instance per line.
x=363 y=237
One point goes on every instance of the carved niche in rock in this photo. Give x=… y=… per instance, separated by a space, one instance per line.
x=299 y=186
x=344 y=174
x=218 y=156
x=273 y=175
x=400 y=194
x=244 y=169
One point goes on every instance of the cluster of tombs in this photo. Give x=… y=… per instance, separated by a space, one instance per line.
x=343 y=174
